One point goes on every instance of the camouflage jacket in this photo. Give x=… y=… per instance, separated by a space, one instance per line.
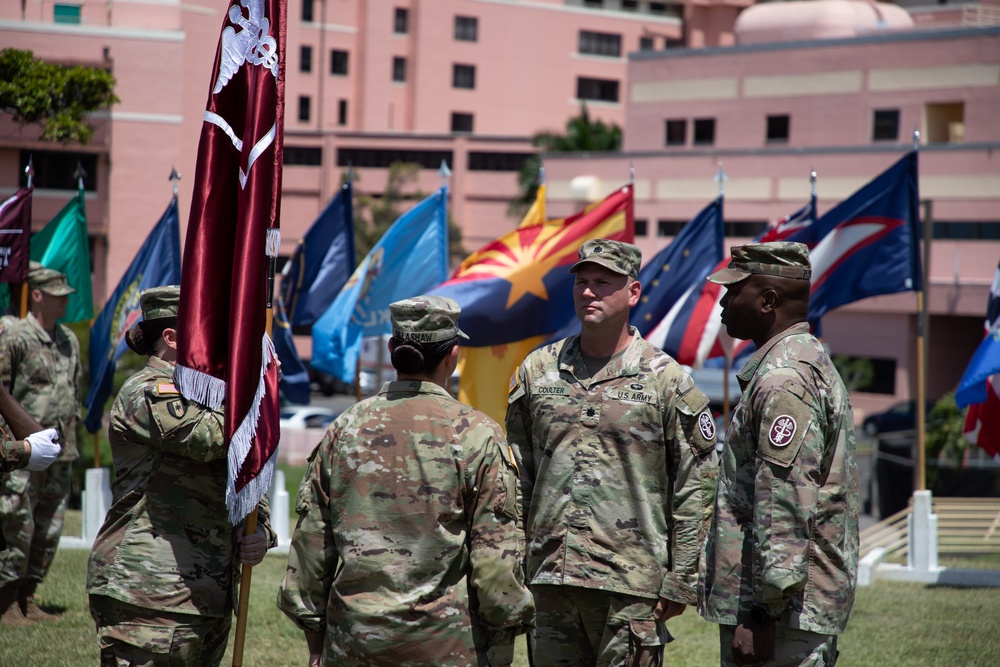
x=13 y=454
x=617 y=470
x=785 y=531
x=408 y=545
x=44 y=375
x=166 y=542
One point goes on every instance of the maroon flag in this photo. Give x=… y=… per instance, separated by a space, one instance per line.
x=224 y=352
x=15 y=233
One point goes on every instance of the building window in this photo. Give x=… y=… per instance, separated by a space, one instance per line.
x=485 y=161
x=341 y=112
x=401 y=21
x=669 y=227
x=602 y=90
x=593 y=3
x=381 y=158
x=666 y=9
x=777 y=129
x=885 y=125
x=305 y=58
x=399 y=69
x=304 y=103
x=704 y=131
x=600 y=43
x=466 y=28
x=945 y=123
x=461 y=122
x=676 y=132
x=630 y=5
x=307 y=11
x=339 y=61
x=66 y=13
x=463 y=76
x=54 y=170
x=745 y=229
x=646 y=44
x=641 y=227
x=967 y=230
x=308 y=156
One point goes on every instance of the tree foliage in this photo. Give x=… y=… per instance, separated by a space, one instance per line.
x=857 y=372
x=582 y=135
x=56 y=97
x=374 y=214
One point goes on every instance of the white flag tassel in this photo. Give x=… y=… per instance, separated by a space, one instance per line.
x=242 y=502
x=273 y=242
x=200 y=387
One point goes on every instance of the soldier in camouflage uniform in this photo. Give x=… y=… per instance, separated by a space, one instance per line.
x=408 y=549
x=40 y=364
x=781 y=558
x=162 y=572
x=618 y=470
x=36 y=450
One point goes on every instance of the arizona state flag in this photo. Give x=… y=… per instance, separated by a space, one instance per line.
x=224 y=352
x=517 y=290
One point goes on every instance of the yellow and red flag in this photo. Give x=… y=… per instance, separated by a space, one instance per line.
x=517 y=290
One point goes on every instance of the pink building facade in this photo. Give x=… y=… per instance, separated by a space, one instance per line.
x=846 y=107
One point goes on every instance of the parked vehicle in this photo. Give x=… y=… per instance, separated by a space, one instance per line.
x=900 y=417
x=306 y=416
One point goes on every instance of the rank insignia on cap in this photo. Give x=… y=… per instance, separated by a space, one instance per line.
x=782 y=430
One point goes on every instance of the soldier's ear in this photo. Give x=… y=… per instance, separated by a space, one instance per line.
x=770 y=299
x=170 y=337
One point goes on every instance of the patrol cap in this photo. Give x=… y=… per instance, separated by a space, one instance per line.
x=49 y=281
x=777 y=258
x=618 y=256
x=159 y=302
x=425 y=319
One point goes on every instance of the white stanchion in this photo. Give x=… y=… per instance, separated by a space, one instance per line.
x=279 y=509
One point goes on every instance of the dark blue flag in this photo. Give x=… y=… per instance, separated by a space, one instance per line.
x=294 y=382
x=985 y=362
x=868 y=244
x=157 y=263
x=322 y=263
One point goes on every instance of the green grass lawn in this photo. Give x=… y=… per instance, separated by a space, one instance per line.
x=892 y=624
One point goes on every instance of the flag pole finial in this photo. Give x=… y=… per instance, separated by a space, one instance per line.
x=444 y=172
x=79 y=175
x=541 y=175
x=631 y=173
x=721 y=178
x=916 y=139
x=350 y=171
x=812 y=182
x=29 y=171
x=175 y=176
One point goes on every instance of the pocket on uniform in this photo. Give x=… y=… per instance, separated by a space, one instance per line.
x=149 y=638
x=16 y=481
x=646 y=641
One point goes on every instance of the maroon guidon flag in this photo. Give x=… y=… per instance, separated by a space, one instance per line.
x=15 y=233
x=224 y=352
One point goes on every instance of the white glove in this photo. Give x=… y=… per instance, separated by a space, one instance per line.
x=44 y=449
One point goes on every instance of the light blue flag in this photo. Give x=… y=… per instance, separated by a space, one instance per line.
x=408 y=260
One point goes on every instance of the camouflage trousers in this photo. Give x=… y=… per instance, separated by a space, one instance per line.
x=32 y=509
x=791 y=648
x=578 y=627
x=132 y=636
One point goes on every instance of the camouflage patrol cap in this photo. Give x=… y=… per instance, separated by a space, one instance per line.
x=778 y=258
x=49 y=281
x=425 y=319
x=618 y=256
x=159 y=302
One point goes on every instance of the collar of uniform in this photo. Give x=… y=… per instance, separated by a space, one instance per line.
x=571 y=359
x=412 y=387
x=158 y=363
x=750 y=367
x=38 y=331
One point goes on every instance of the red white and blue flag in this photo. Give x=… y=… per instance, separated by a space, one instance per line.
x=980 y=385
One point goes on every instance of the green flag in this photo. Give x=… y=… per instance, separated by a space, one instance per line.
x=62 y=245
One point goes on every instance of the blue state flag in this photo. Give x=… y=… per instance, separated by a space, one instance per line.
x=294 y=381
x=157 y=263
x=322 y=262
x=409 y=259
x=986 y=360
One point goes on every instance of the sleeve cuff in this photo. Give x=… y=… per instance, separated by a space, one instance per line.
x=500 y=655
x=679 y=589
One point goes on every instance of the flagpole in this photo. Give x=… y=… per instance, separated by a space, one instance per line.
x=920 y=483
